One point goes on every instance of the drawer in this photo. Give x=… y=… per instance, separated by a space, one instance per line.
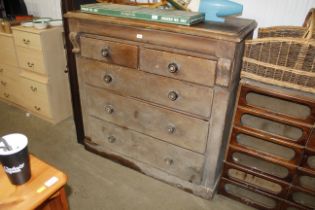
x=280 y=150
x=309 y=160
x=110 y=52
x=8 y=71
x=182 y=67
x=302 y=197
x=248 y=195
x=261 y=164
x=36 y=97
x=175 y=128
x=182 y=163
x=27 y=40
x=256 y=180
x=271 y=126
x=169 y=92
x=305 y=179
x=9 y=89
x=286 y=106
x=31 y=60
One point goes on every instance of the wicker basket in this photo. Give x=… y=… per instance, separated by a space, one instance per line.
x=283 y=56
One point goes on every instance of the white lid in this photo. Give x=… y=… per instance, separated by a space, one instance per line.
x=16 y=140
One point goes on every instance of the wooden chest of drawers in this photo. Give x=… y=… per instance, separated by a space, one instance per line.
x=158 y=97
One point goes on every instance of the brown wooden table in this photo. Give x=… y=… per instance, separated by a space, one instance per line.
x=45 y=189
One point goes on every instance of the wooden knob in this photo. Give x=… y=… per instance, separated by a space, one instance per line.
x=172 y=68
x=169 y=161
x=111 y=139
x=171 y=129
x=105 y=52
x=172 y=95
x=107 y=79
x=109 y=109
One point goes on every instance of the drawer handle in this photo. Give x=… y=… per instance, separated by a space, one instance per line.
x=107 y=79
x=109 y=109
x=105 y=52
x=171 y=129
x=7 y=95
x=34 y=89
x=3 y=83
x=29 y=64
x=172 y=95
x=111 y=139
x=26 y=41
x=37 y=108
x=169 y=161
x=172 y=68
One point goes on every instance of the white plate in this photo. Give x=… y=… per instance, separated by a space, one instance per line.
x=27 y=24
x=55 y=23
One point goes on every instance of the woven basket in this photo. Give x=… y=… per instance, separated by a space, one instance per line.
x=283 y=56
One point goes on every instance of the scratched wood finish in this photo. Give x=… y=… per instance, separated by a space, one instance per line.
x=110 y=52
x=179 y=162
x=182 y=67
x=190 y=133
x=190 y=98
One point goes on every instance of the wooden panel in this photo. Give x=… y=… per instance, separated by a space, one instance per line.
x=27 y=40
x=187 y=132
x=31 y=60
x=7 y=50
x=110 y=52
x=190 y=98
x=174 y=160
x=182 y=67
x=248 y=195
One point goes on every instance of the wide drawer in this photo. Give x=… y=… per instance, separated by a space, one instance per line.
x=110 y=52
x=187 y=132
x=27 y=39
x=180 y=162
x=35 y=97
x=31 y=60
x=169 y=92
x=182 y=67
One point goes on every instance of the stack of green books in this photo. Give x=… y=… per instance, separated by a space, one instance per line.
x=143 y=13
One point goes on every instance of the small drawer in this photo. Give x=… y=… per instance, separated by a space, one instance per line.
x=273 y=147
x=302 y=197
x=27 y=39
x=261 y=163
x=182 y=67
x=305 y=178
x=110 y=138
x=249 y=196
x=179 y=95
x=271 y=126
x=286 y=205
x=175 y=128
x=31 y=60
x=309 y=159
x=110 y=52
x=286 y=106
x=256 y=180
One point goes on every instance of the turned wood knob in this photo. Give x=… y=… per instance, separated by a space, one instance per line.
x=171 y=129
x=107 y=78
x=105 y=52
x=111 y=139
x=172 y=95
x=109 y=109
x=172 y=68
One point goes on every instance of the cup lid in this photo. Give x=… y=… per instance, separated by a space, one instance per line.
x=16 y=140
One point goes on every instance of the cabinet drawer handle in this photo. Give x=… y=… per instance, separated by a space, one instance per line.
x=26 y=41
x=109 y=109
x=37 y=108
x=107 y=79
x=29 y=64
x=34 y=89
x=169 y=161
x=172 y=68
x=7 y=95
x=111 y=139
x=172 y=95
x=3 y=83
x=105 y=52
x=171 y=129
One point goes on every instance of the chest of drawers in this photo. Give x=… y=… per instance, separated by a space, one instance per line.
x=158 y=97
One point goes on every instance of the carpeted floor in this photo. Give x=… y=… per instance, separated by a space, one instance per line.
x=95 y=182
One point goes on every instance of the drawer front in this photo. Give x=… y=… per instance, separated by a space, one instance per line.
x=256 y=180
x=27 y=40
x=305 y=179
x=8 y=71
x=249 y=196
x=182 y=67
x=9 y=89
x=161 y=90
x=110 y=52
x=35 y=97
x=31 y=60
x=178 y=129
x=180 y=162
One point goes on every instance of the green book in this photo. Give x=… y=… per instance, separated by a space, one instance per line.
x=143 y=13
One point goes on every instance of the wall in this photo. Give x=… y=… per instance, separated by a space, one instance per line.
x=44 y=8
